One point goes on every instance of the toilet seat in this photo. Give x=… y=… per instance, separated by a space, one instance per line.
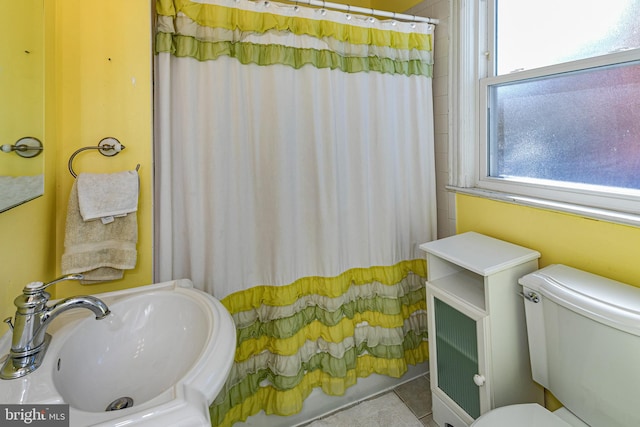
x=524 y=415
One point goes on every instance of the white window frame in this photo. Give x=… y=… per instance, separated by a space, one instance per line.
x=471 y=74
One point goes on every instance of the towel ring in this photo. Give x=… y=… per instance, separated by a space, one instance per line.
x=107 y=147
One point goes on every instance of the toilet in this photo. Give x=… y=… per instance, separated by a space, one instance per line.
x=584 y=345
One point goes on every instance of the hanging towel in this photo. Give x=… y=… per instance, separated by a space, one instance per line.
x=106 y=196
x=99 y=251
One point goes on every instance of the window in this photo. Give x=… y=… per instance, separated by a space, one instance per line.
x=559 y=100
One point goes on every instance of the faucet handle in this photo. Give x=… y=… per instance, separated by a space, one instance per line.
x=37 y=287
x=9 y=322
x=34 y=286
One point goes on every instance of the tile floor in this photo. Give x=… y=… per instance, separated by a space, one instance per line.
x=408 y=405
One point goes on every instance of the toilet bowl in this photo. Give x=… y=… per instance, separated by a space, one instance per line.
x=584 y=338
x=528 y=415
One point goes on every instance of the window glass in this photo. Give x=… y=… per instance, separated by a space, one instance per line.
x=580 y=127
x=547 y=32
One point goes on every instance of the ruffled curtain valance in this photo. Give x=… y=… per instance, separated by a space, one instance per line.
x=207 y=31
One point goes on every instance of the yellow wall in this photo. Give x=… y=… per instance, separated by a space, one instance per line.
x=394 y=5
x=26 y=230
x=98 y=63
x=21 y=83
x=103 y=89
x=359 y=3
x=600 y=247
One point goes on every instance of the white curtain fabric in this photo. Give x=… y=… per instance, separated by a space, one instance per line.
x=267 y=174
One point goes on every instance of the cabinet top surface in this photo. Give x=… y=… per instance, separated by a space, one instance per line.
x=481 y=254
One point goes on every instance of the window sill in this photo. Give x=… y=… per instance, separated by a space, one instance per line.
x=580 y=210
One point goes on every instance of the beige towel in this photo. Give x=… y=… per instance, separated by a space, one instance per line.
x=109 y=195
x=99 y=251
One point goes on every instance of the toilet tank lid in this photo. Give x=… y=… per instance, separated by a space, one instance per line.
x=604 y=300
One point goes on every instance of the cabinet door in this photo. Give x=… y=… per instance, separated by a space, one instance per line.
x=457 y=355
x=457 y=345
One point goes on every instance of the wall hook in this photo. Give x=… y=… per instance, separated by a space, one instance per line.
x=26 y=147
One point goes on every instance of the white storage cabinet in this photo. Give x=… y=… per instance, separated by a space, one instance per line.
x=478 y=351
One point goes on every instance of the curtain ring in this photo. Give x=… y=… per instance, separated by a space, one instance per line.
x=348 y=15
x=371 y=18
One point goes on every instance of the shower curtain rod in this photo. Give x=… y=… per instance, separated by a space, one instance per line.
x=367 y=11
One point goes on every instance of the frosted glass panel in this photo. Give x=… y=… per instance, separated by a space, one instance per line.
x=457 y=356
x=547 y=32
x=579 y=127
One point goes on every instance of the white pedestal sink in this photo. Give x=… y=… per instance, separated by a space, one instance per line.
x=159 y=359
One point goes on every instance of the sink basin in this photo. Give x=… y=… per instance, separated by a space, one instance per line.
x=148 y=344
x=159 y=358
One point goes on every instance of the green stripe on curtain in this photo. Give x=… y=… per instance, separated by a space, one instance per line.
x=280 y=360
x=246 y=53
x=286 y=328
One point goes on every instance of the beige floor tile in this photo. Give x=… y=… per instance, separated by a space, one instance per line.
x=428 y=421
x=383 y=411
x=416 y=395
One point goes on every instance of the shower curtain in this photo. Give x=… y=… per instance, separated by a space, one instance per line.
x=294 y=182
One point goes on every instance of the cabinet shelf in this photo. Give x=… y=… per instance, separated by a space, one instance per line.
x=463 y=285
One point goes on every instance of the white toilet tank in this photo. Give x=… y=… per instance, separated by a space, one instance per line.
x=584 y=343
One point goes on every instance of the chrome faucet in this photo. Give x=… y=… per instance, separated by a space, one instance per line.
x=33 y=317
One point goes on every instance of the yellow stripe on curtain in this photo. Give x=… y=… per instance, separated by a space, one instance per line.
x=211 y=15
x=320 y=354
x=326 y=286
x=185 y=27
